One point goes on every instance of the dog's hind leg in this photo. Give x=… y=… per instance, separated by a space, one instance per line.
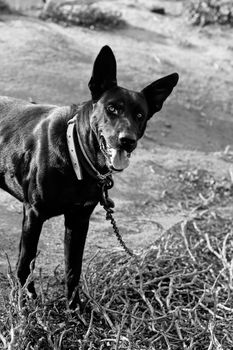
x=76 y=227
x=31 y=228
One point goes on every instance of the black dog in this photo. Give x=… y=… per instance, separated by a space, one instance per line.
x=55 y=169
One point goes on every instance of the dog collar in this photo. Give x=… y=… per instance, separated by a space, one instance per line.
x=78 y=154
x=71 y=146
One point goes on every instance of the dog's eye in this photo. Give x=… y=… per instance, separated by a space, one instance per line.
x=111 y=109
x=139 y=116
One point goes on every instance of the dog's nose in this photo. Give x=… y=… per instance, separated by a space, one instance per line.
x=127 y=141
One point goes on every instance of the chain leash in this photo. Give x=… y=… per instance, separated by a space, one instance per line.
x=109 y=216
x=107 y=203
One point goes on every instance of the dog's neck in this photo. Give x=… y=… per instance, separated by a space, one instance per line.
x=88 y=137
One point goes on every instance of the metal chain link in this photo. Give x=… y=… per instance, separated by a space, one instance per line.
x=109 y=216
x=108 y=204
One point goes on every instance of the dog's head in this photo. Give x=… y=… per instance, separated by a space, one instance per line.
x=120 y=115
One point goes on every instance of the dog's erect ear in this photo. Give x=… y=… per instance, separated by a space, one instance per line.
x=157 y=92
x=104 y=73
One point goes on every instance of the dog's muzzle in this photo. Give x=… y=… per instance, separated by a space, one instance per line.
x=118 y=157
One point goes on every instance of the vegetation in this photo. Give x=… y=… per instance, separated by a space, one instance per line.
x=91 y=16
x=203 y=12
x=4 y=7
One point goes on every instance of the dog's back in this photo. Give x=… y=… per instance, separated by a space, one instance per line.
x=18 y=118
x=23 y=129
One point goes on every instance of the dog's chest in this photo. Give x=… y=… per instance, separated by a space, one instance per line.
x=80 y=193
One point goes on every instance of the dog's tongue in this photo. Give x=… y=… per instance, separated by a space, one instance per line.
x=119 y=159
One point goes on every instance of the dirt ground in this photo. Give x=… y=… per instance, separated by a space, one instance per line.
x=52 y=63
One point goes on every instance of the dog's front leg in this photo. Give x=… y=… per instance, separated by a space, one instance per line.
x=31 y=228
x=76 y=227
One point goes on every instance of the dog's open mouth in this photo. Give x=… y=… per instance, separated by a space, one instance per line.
x=118 y=159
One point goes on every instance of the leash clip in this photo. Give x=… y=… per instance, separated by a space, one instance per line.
x=106 y=184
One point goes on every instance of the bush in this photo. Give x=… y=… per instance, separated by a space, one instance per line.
x=204 y=12
x=91 y=16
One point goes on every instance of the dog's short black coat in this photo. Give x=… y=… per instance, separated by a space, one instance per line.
x=35 y=165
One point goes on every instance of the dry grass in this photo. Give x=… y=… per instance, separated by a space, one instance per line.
x=198 y=189
x=177 y=294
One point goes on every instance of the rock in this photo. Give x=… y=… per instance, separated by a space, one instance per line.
x=158 y=10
